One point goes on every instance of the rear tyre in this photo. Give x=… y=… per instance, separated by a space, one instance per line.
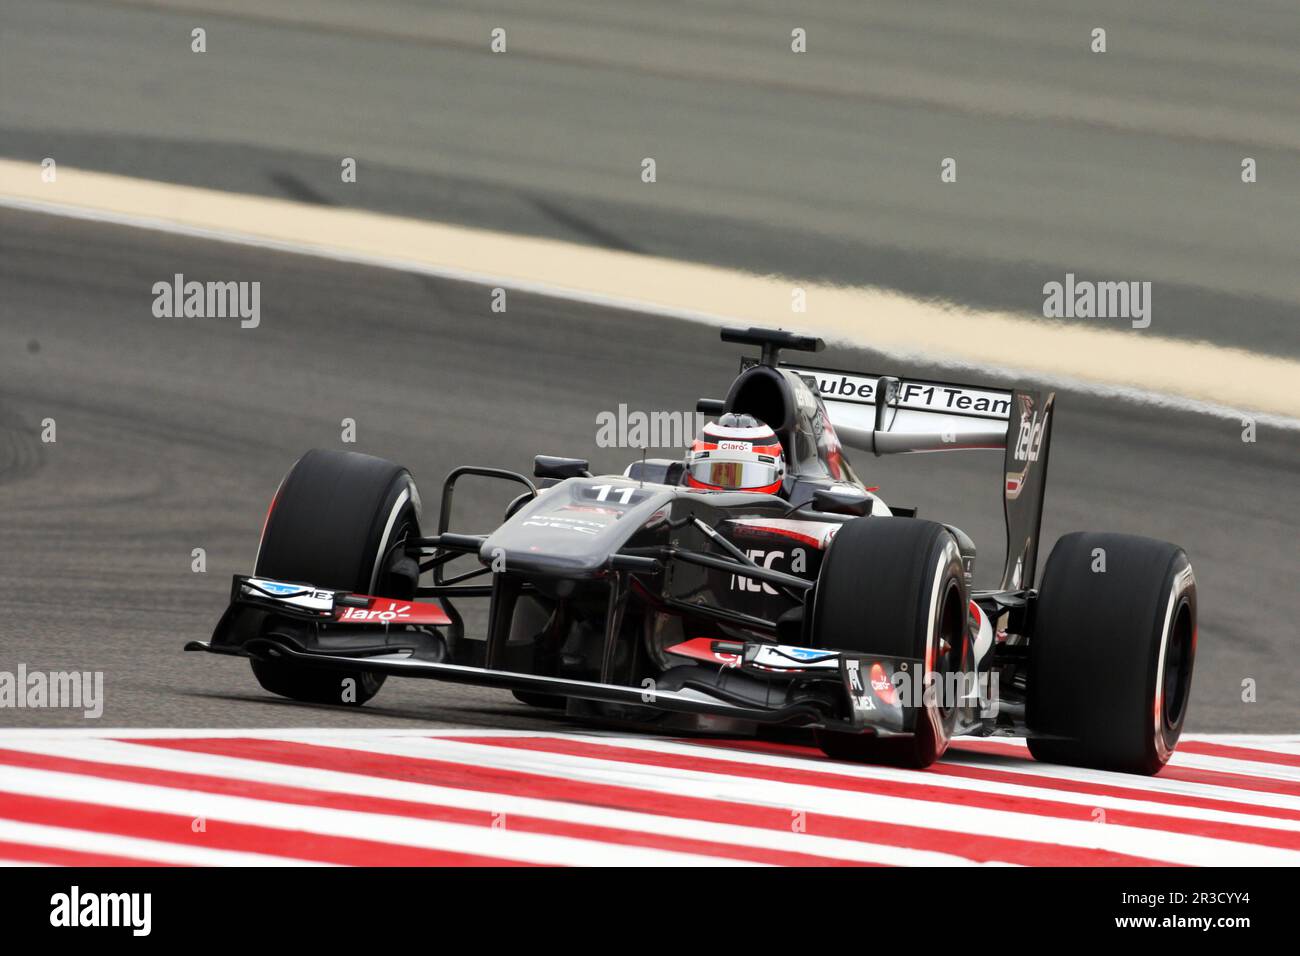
x=336 y=522
x=894 y=587
x=1110 y=658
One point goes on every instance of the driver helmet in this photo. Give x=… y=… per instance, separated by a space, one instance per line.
x=736 y=453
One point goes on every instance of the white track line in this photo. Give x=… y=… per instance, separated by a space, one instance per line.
x=1180 y=374
x=1110 y=390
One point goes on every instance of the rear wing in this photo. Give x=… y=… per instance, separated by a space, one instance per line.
x=888 y=415
x=915 y=416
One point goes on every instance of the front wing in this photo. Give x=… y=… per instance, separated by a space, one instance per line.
x=356 y=632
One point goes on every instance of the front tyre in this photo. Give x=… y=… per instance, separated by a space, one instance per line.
x=1110 y=658
x=337 y=522
x=894 y=587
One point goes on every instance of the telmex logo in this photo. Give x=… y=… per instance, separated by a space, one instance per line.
x=275 y=587
x=1030 y=439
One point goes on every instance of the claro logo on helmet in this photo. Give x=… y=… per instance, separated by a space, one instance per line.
x=733 y=445
x=1030 y=439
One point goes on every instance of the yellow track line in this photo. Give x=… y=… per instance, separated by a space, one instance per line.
x=1184 y=373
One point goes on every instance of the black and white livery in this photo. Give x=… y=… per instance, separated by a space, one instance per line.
x=647 y=597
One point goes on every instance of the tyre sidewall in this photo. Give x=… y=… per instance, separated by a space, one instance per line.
x=1097 y=653
x=331 y=524
x=333 y=513
x=890 y=577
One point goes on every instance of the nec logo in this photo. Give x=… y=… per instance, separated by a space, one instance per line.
x=764 y=559
x=1030 y=440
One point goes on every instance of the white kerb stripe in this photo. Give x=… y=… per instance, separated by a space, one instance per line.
x=355 y=784
x=1011 y=825
x=158 y=851
x=405 y=831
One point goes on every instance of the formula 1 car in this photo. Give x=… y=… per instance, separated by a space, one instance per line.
x=638 y=597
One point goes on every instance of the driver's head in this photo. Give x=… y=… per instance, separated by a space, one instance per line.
x=736 y=453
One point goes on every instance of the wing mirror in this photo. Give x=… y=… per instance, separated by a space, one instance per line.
x=839 y=501
x=548 y=466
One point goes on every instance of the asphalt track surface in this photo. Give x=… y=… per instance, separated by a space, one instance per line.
x=1123 y=165
x=173 y=433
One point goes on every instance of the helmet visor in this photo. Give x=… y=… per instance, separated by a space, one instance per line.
x=734 y=474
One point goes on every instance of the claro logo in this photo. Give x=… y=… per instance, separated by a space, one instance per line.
x=1030 y=439
x=394 y=612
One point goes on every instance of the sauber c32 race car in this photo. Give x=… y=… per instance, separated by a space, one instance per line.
x=639 y=597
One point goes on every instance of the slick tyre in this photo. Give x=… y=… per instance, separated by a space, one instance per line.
x=336 y=522
x=1111 y=654
x=894 y=587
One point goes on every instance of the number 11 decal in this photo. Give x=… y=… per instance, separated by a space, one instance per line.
x=624 y=494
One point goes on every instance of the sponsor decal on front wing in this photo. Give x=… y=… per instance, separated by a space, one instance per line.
x=388 y=611
x=378 y=610
x=297 y=595
x=783 y=657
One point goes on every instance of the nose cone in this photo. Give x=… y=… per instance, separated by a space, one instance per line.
x=572 y=529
